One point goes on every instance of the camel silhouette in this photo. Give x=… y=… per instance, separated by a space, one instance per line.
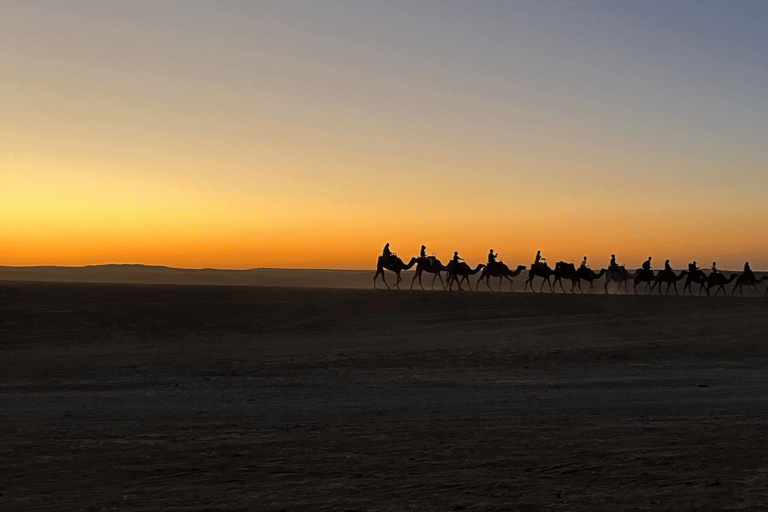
x=699 y=277
x=620 y=275
x=393 y=264
x=564 y=270
x=643 y=276
x=745 y=280
x=589 y=275
x=670 y=278
x=461 y=270
x=500 y=270
x=542 y=270
x=719 y=280
x=431 y=265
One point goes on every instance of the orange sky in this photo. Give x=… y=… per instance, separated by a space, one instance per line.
x=286 y=136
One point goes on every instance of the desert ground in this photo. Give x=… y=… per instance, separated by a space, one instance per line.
x=143 y=397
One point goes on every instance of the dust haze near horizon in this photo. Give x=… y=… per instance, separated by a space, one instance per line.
x=308 y=134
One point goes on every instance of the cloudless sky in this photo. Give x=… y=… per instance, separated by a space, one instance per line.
x=307 y=134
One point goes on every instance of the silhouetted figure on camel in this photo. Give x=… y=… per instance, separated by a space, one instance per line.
x=389 y=261
x=460 y=273
x=502 y=271
x=431 y=265
x=587 y=274
x=747 y=278
x=695 y=275
x=670 y=278
x=718 y=279
x=568 y=271
x=541 y=269
x=644 y=275
x=618 y=273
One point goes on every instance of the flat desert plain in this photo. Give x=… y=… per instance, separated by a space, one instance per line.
x=188 y=398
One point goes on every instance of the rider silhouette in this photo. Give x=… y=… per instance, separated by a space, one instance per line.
x=584 y=263
x=748 y=272
x=714 y=268
x=647 y=264
x=386 y=253
x=613 y=265
x=456 y=258
x=423 y=252
x=668 y=268
x=692 y=267
x=540 y=261
x=492 y=258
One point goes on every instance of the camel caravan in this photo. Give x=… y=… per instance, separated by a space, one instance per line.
x=458 y=272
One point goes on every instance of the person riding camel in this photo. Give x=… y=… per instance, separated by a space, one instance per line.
x=492 y=258
x=693 y=268
x=456 y=258
x=613 y=265
x=668 y=268
x=647 y=264
x=386 y=253
x=583 y=265
x=540 y=260
x=714 y=268
x=423 y=253
x=748 y=275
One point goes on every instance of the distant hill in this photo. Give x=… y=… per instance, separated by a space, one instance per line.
x=153 y=274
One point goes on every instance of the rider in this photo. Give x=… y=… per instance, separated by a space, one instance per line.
x=714 y=268
x=583 y=265
x=668 y=268
x=492 y=258
x=692 y=267
x=456 y=258
x=423 y=252
x=647 y=264
x=748 y=272
x=386 y=253
x=540 y=260
x=613 y=264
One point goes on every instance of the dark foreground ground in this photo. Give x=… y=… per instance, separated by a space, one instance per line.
x=148 y=397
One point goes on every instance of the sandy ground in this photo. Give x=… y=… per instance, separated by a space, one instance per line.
x=150 y=397
x=304 y=278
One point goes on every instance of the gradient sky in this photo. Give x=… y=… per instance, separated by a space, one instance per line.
x=308 y=134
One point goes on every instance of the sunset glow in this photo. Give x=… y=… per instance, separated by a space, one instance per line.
x=307 y=135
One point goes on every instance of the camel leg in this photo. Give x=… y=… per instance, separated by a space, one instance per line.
x=381 y=271
x=437 y=276
x=397 y=283
x=511 y=284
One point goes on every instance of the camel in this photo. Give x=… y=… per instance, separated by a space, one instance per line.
x=565 y=270
x=620 y=275
x=500 y=270
x=393 y=264
x=544 y=271
x=431 y=265
x=587 y=274
x=698 y=276
x=463 y=270
x=745 y=280
x=643 y=276
x=719 y=280
x=670 y=278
